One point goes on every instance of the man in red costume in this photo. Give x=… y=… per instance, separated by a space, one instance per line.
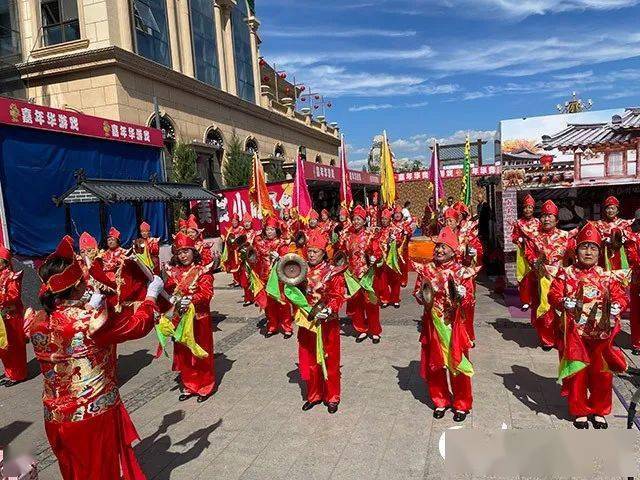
x=287 y=227
x=204 y=249
x=324 y=287
x=363 y=253
x=114 y=255
x=614 y=233
x=444 y=287
x=632 y=246
x=152 y=245
x=326 y=224
x=591 y=301
x=373 y=212
x=525 y=230
x=250 y=233
x=389 y=272
x=13 y=349
x=192 y=287
x=231 y=261
x=270 y=247
x=550 y=249
x=87 y=425
x=404 y=231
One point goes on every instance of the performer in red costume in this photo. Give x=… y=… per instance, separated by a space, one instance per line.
x=250 y=233
x=203 y=248
x=287 y=226
x=325 y=286
x=191 y=284
x=363 y=253
x=326 y=224
x=270 y=247
x=525 y=230
x=444 y=288
x=632 y=246
x=404 y=231
x=373 y=212
x=591 y=301
x=231 y=263
x=13 y=348
x=550 y=249
x=114 y=255
x=614 y=232
x=87 y=425
x=389 y=273
x=152 y=245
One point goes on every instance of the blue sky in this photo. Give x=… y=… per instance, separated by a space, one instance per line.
x=439 y=68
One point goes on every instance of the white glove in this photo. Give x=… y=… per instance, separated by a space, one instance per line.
x=570 y=303
x=372 y=259
x=324 y=313
x=185 y=302
x=472 y=252
x=96 y=300
x=520 y=240
x=274 y=256
x=173 y=300
x=155 y=287
x=607 y=239
x=615 y=309
x=462 y=290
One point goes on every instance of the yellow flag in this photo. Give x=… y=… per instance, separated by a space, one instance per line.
x=387 y=177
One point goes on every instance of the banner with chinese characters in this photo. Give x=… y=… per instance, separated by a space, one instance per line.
x=237 y=201
x=205 y=212
x=24 y=114
x=448 y=173
x=329 y=173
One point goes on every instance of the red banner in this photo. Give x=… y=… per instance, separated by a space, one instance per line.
x=237 y=201
x=328 y=173
x=205 y=212
x=448 y=173
x=24 y=114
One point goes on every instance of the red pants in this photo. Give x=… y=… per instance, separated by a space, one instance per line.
x=236 y=276
x=460 y=396
x=589 y=390
x=14 y=358
x=364 y=315
x=387 y=285
x=527 y=288
x=198 y=375
x=319 y=389
x=278 y=316
x=96 y=448
x=243 y=280
x=635 y=315
x=546 y=327
x=469 y=315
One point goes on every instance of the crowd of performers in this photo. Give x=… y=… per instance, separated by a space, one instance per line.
x=575 y=284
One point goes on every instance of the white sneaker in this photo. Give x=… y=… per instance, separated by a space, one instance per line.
x=525 y=307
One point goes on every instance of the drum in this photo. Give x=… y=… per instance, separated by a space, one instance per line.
x=421 y=249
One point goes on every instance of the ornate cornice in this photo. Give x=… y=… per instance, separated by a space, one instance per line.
x=115 y=57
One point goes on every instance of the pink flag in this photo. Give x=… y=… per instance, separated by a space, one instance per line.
x=346 y=197
x=301 y=197
x=434 y=175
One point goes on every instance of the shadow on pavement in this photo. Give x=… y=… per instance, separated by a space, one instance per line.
x=130 y=365
x=10 y=432
x=535 y=391
x=346 y=328
x=409 y=380
x=222 y=366
x=519 y=332
x=294 y=377
x=217 y=318
x=33 y=369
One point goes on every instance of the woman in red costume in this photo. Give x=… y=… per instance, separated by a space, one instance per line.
x=13 y=350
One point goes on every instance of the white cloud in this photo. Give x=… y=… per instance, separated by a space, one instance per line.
x=415 y=146
x=335 y=33
x=373 y=106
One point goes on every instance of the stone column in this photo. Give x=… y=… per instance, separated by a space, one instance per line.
x=125 y=25
x=227 y=34
x=174 y=36
x=254 y=24
x=222 y=64
x=184 y=28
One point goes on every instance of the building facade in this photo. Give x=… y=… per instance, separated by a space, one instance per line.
x=199 y=59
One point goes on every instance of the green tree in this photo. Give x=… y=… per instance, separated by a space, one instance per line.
x=184 y=170
x=237 y=167
x=276 y=173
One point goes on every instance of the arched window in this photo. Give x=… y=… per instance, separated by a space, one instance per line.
x=214 y=138
x=251 y=146
x=168 y=131
x=279 y=151
x=302 y=151
x=318 y=159
x=332 y=162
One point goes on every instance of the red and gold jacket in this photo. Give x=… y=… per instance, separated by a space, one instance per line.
x=79 y=364
x=326 y=283
x=112 y=259
x=525 y=228
x=10 y=300
x=632 y=246
x=588 y=285
x=555 y=245
x=327 y=227
x=264 y=247
x=232 y=264
x=359 y=246
x=191 y=281
x=608 y=229
x=153 y=248
x=372 y=213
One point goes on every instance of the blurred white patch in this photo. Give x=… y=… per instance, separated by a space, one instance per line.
x=441 y=443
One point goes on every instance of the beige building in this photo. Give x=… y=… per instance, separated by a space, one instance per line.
x=199 y=58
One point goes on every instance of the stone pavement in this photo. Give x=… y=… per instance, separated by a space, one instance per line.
x=253 y=427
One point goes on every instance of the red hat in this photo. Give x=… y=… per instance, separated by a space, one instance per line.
x=461 y=207
x=247 y=217
x=344 y=212
x=359 y=211
x=611 y=201
x=71 y=275
x=452 y=213
x=313 y=215
x=549 y=208
x=145 y=227
x=386 y=213
x=271 y=222
x=113 y=232
x=87 y=241
x=324 y=211
x=529 y=201
x=397 y=209
x=589 y=234
x=317 y=240
x=192 y=223
x=448 y=237
x=5 y=254
x=182 y=223
x=181 y=241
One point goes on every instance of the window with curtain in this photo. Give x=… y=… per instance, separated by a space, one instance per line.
x=615 y=164
x=152 y=31
x=59 y=21
x=9 y=31
x=203 y=39
x=242 y=52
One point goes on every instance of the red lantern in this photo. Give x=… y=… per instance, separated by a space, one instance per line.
x=265 y=79
x=303 y=99
x=317 y=97
x=315 y=107
x=287 y=89
x=329 y=104
x=546 y=161
x=262 y=62
x=302 y=88
x=283 y=75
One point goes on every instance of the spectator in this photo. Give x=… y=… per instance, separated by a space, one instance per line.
x=405 y=211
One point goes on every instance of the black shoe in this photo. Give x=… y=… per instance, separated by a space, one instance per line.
x=396 y=305
x=384 y=305
x=246 y=304
x=598 y=425
x=287 y=334
x=361 y=338
x=546 y=348
x=473 y=344
x=261 y=323
x=459 y=416
x=309 y=405
x=9 y=383
x=202 y=398
x=270 y=334
x=375 y=339
x=438 y=413
x=185 y=396
x=581 y=425
x=332 y=407
x=635 y=351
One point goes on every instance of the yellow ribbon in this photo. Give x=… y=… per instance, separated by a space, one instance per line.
x=4 y=341
x=522 y=266
x=544 y=307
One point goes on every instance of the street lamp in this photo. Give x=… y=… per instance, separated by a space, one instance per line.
x=575 y=105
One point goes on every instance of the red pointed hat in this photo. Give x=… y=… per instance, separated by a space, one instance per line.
x=87 y=241
x=549 y=208
x=313 y=215
x=71 y=275
x=451 y=212
x=181 y=241
x=461 y=208
x=247 y=217
x=113 y=232
x=386 y=213
x=145 y=227
x=611 y=201
x=589 y=234
x=529 y=201
x=182 y=223
x=317 y=240
x=271 y=222
x=235 y=217
x=397 y=209
x=344 y=212
x=448 y=237
x=192 y=223
x=359 y=211
x=324 y=211
x=5 y=254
